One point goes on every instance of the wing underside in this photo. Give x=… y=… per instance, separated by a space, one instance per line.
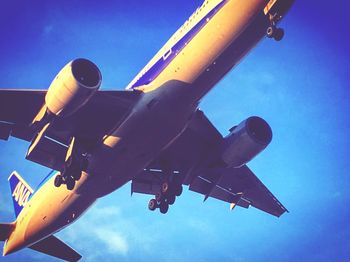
x=89 y=124
x=190 y=155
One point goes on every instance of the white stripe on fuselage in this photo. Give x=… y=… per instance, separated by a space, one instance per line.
x=206 y=45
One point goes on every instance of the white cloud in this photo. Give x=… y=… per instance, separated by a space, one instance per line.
x=106 y=230
x=114 y=241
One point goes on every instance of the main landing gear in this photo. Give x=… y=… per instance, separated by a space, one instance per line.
x=166 y=196
x=273 y=31
x=75 y=163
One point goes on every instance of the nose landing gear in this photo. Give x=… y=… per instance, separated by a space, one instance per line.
x=63 y=179
x=273 y=31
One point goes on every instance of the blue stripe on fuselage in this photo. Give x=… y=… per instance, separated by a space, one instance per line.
x=165 y=60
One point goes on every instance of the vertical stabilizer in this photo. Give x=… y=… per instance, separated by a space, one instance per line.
x=20 y=190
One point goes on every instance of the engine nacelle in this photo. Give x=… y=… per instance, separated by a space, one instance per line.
x=246 y=141
x=73 y=87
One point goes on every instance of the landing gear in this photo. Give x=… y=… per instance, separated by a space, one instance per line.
x=70 y=183
x=68 y=180
x=165 y=197
x=164 y=207
x=171 y=199
x=152 y=205
x=273 y=31
x=58 y=180
x=75 y=163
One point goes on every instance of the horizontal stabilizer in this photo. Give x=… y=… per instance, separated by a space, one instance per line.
x=5 y=230
x=52 y=246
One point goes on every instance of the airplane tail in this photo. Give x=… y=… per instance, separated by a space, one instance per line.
x=52 y=246
x=21 y=192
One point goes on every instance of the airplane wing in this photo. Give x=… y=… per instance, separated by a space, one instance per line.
x=190 y=156
x=18 y=108
x=238 y=186
x=53 y=246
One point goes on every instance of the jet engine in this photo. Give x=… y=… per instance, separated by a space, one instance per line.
x=72 y=88
x=245 y=141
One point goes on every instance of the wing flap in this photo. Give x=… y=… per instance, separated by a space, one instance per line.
x=53 y=246
x=244 y=180
x=241 y=182
x=19 y=106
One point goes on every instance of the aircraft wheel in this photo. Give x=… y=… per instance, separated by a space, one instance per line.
x=178 y=190
x=278 y=34
x=70 y=183
x=171 y=199
x=152 y=204
x=77 y=175
x=270 y=31
x=165 y=188
x=164 y=207
x=58 y=181
x=159 y=197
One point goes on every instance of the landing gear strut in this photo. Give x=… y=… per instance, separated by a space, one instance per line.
x=75 y=163
x=273 y=31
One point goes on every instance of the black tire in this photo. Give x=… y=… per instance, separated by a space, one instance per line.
x=159 y=197
x=270 y=31
x=152 y=204
x=58 y=181
x=165 y=188
x=70 y=183
x=171 y=199
x=178 y=190
x=279 y=34
x=77 y=175
x=164 y=207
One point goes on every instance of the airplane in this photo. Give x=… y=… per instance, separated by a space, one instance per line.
x=151 y=134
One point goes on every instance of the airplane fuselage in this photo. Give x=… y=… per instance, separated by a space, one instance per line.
x=214 y=39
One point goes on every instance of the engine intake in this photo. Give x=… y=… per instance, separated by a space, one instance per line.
x=245 y=141
x=72 y=88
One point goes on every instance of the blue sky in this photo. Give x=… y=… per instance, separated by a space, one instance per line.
x=298 y=85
